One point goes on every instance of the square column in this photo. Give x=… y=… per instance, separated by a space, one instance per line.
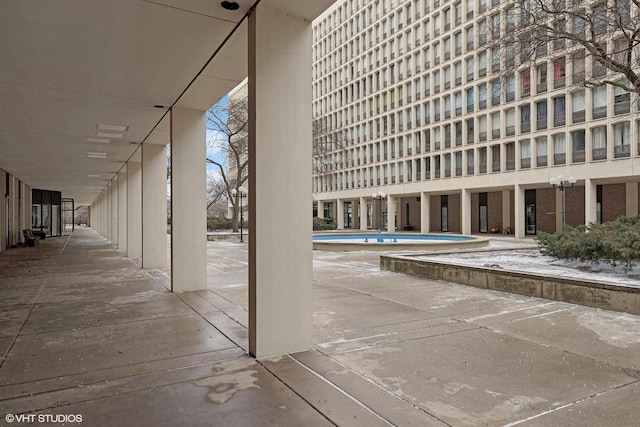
x=391 y=214
x=114 y=211
x=280 y=229
x=465 y=208
x=188 y=200
x=122 y=209
x=590 y=201
x=425 y=217
x=506 y=209
x=363 y=214
x=519 y=212
x=340 y=214
x=154 y=206
x=134 y=209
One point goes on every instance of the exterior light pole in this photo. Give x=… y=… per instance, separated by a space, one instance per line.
x=241 y=192
x=559 y=183
x=379 y=196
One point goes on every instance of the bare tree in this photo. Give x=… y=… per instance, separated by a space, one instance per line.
x=217 y=196
x=229 y=138
x=601 y=39
x=330 y=151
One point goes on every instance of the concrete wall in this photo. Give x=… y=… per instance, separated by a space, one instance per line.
x=575 y=291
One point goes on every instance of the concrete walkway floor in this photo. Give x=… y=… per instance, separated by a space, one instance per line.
x=85 y=334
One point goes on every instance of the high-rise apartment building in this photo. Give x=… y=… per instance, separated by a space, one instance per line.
x=426 y=119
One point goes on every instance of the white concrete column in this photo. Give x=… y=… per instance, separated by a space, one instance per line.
x=519 y=212
x=363 y=214
x=320 y=208
x=122 y=209
x=188 y=200
x=280 y=249
x=631 y=198
x=391 y=214
x=590 y=201
x=506 y=209
x=154 y=206
x=465 y=208
x=107 y=213
x=340 y=214
x=425 y=213
x=134 y=209
x=114 y=211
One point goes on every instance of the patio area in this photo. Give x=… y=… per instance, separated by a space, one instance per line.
x=85 y=334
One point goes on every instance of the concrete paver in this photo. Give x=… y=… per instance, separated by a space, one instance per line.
x=84 y=331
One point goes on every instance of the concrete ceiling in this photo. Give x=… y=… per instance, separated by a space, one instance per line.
x=69 y=66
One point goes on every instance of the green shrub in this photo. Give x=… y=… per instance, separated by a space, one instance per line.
x=320 y=224
x=616 y=242
x=215 y=223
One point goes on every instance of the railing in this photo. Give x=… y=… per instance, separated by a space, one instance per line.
x=495 y=166
x=599 y=112
x=541 y=161
x=559 y=159
x=622 y=151
x=578 y=116
x=578 y=156
x=525 y=163
x=525 y=127
x=599 y=153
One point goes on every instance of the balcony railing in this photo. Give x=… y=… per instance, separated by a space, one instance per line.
x=469 y=170
x=495 y=166
x=525 y=127
x=560 y=159
x=578 y=156
x=559 y=120
x=525 y=163
x=541 y=161
x=541 y=124
x=599 y=112
x=578 y=116
x=599 y=153
x=483 y=168
x=622 y=151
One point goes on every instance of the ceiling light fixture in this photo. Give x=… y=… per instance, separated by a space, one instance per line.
x=158 y=106
x=94 y=176
x=109 y=135
x=96 y=155
x=98 y=140
x=113 y=128
x=230 y=5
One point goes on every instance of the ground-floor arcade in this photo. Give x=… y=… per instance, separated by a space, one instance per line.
x=521 y=209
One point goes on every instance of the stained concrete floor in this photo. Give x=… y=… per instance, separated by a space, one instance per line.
x=85 y=332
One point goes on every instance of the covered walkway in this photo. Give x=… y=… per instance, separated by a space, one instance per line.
x=85 y=331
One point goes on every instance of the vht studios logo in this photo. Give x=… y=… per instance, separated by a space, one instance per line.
x=43 y=418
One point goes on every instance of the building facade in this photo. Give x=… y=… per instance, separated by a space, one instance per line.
x=430 y=122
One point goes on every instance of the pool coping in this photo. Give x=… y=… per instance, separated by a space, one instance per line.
x=473 y=242
x=604 y=295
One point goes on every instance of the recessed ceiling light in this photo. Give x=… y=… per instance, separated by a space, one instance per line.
x=158 y=106
x=133 y=142
x=109 y=135
x=96 y=155
x=230 y=5
x=114 y=128
x=98 y=140
x=94 y=176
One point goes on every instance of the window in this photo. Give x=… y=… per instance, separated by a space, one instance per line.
x=541 y=74
x=495 y=125
x=599 y=102
x=559 y=72
x=525 y=83
x=525 y=154
x=482 y=95
x=578 y=146
x=559 y=110
x=599 y=143
x=541 y=115
x=559 y=149
x=470 y=37
x=578 y=113
x=470 y=100
x=482 y=63
x=578 y=66
x=622 y=101
x=470 y=162
x=510 y=86
x=541 y=151
x=495 y=158
x=470 y=68
x=510 y=118
x=621 y=140
x=525 y=118
x=495 y=91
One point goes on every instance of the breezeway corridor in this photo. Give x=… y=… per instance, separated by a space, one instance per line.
x=84 y=331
